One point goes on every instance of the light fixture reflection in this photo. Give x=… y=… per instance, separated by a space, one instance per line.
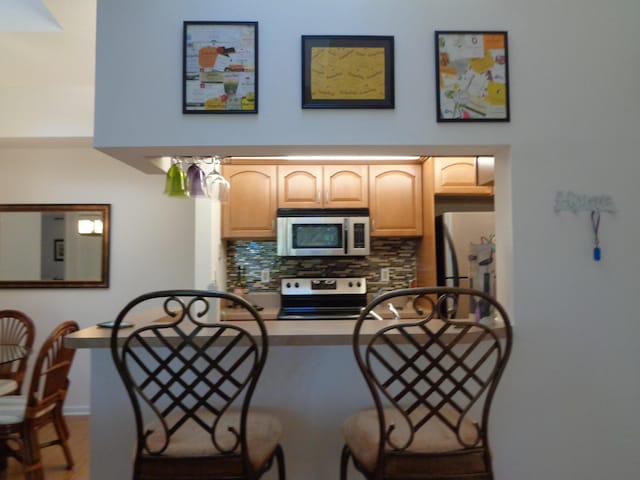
x=90 y=227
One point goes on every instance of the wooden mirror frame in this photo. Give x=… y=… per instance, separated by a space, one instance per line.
x=102 y=209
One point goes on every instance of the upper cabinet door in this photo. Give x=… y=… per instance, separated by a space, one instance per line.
x=395 y=200
x=299 y=186
x=346 y=186
x=317 y=186
x=458 y=176
x=249 y=211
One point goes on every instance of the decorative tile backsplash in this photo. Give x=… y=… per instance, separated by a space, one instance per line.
x=399 y=255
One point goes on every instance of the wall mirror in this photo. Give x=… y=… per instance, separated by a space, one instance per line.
x=54 y=245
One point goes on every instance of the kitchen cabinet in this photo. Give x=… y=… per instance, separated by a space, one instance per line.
x=459 y=176
x=322 y=186
x=249 y=210
x=395 y=200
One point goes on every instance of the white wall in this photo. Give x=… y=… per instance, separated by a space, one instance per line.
x=567 y=407
x=152 y=242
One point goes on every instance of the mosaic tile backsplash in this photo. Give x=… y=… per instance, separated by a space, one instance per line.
x=397 y=254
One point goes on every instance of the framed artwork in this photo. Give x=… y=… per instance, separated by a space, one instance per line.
x=220 y=67
x=347 y=72
x=472 y=76
x=58 y=250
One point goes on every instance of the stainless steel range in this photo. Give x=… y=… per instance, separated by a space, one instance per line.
x=322 y=298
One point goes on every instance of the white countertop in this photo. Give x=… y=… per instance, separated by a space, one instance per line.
x=280 y=332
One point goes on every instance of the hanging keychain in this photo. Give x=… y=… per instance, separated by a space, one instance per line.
x=595 y=224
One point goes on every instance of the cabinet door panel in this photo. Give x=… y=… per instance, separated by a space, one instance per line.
x=250 y=209
x=458 y=176
x=395 y=200
x=346 y=186
x=299 y=186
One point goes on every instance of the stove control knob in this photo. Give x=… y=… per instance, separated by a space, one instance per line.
x=359 y=284
x=288 y=284
x=297 y=285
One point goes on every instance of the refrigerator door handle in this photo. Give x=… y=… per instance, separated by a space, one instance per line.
x=455 y=271
x=452 y=304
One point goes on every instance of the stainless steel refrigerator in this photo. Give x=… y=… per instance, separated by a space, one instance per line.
x=465 y=242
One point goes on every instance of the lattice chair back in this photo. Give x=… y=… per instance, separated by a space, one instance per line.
x=432 y=377
x=190 y=376
x=50 y=374
x=16 y=328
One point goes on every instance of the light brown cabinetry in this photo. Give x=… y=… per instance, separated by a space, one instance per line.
x=322 y=186
x=395 y=200
x=249 y=211
x=458 y=176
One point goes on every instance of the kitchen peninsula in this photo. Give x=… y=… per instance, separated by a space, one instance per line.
x=310 y=381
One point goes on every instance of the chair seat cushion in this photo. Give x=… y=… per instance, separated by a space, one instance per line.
x=12 y=409
x=361 y=434
x=7 y=386
x=264 y=432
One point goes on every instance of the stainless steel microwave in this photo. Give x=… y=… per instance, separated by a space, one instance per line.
x=323 y=232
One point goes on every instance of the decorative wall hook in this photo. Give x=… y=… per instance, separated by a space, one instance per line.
x=595 y=204
x=583 y=203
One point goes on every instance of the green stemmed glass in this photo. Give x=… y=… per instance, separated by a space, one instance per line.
x=176 y=181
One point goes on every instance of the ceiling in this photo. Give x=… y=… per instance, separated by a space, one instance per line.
x=52 y=40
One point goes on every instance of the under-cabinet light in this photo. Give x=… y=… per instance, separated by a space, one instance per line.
x=320 y=158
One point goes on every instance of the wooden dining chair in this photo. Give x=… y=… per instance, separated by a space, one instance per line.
x=21 y=416
x=432 y=381
x=16 y=329
x=190 y=379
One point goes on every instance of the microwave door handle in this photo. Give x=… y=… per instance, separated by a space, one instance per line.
x=346 y=236
x=287 y=231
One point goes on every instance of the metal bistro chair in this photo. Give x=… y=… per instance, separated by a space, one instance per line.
x=432 y=379
x=21 y=416
x=16 y=330
x=190 y=380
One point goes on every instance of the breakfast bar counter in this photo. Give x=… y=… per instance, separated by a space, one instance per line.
x=310 y=381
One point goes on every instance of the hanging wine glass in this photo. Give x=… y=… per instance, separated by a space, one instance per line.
x=196 y=181
x=215 y=180
x=175 y=184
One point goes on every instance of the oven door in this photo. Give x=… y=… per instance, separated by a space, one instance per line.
x=312 y=236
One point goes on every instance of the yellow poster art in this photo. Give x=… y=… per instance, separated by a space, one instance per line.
x=347 y=73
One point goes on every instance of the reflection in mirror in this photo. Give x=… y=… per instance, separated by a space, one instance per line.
x=54 y=245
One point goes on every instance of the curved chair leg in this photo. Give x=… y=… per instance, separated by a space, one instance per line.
x=344 y=462
x=280 y=462
x=63 y=435
x=31 y=459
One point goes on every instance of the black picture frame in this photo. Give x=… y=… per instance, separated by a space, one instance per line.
x=220 y=67
x=359 y=78
x=472 y=76
x=58 y=250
